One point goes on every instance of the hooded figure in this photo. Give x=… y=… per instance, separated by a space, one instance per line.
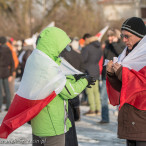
x=52 y=122
x=44 y=91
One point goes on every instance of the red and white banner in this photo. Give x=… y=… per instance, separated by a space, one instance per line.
x=133 y=89
x=101 y=33
x=99 y=36
x=41 y=82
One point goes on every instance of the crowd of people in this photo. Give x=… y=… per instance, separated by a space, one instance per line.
x=11 y=66
x=97 y=82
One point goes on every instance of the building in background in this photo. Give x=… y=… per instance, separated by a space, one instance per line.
x=116 y=10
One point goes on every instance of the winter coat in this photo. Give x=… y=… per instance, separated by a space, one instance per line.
x=25 y=57
x=6 y=62
x=112 y=50
x=75 y=59
x=53 y=120
x=131 y=121
x=91 y=55
x=15 y=58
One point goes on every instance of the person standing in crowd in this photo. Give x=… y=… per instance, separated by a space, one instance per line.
x=91 y=55
x=75 y=59
x=113 y=48
x=16 y=63
x=52 y=122
x=84 y=99
x=25 y=57
x=126 y=83
x=6 y=71
x=83 y=39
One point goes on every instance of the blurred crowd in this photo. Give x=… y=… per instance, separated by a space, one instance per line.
x=87 y=55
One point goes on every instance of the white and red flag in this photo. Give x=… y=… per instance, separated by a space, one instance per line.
x=101 y=33
x=41 y=82
x=133 y=89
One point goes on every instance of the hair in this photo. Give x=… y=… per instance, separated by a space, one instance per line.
x=113 y=32
x=86 y=35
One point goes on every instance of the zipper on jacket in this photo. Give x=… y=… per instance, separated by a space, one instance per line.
x=67 y=90
x=65 y=116
x=51 y=121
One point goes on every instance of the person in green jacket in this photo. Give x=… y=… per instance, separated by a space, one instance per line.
x=51 y=124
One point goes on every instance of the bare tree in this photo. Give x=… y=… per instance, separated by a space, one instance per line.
x=21 y=19
x=15 y=16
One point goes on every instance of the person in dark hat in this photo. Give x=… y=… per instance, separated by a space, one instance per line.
x=126 y=83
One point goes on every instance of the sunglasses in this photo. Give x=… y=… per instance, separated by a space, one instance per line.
x=125 y=36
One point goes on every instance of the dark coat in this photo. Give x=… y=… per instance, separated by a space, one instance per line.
x=75 y=59
x=112 y=50
x=91 y=55
x=25 y=57
x=131 y=121
x=6 y=62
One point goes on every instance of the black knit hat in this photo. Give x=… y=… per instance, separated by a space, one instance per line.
x=135 y=26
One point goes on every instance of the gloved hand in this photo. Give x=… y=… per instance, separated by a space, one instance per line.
x=78 y=76
x=91 y=80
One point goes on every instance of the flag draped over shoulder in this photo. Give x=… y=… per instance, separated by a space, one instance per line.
x=41 y=82
x=133 y=89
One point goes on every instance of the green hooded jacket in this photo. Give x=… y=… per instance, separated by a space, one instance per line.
x=52 y=120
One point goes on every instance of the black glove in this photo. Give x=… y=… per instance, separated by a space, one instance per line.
x=91 y=80
x=78 y=76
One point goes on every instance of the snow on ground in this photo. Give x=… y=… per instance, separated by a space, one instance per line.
x=89 y=132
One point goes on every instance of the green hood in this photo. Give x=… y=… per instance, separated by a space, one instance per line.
x=52 y=41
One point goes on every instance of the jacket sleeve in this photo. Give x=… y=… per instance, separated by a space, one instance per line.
x=84 y=54
x=114 y=80
x=11 y=62
x=118 y=47
x=73 y=88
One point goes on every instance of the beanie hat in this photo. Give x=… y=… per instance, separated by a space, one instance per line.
x=135 y=26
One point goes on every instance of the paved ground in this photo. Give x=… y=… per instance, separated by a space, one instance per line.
x=88 y=132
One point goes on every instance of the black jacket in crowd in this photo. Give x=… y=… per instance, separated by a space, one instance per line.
x=112 y=50
x=91 y=55
x=6 y=62
x=75 y=59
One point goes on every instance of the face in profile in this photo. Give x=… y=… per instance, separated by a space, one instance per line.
x=129 y=39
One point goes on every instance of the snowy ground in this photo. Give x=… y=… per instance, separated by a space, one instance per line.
x=92 y=133
x=89 y=132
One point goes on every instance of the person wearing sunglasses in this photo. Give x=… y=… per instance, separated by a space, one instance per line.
x=126 y=83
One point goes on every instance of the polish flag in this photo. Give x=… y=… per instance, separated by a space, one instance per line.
x=133 y=89
x=99 y=36
x=41 y=82
x=101 y=33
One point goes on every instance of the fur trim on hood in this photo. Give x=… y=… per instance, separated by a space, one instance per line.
x=90 y=40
